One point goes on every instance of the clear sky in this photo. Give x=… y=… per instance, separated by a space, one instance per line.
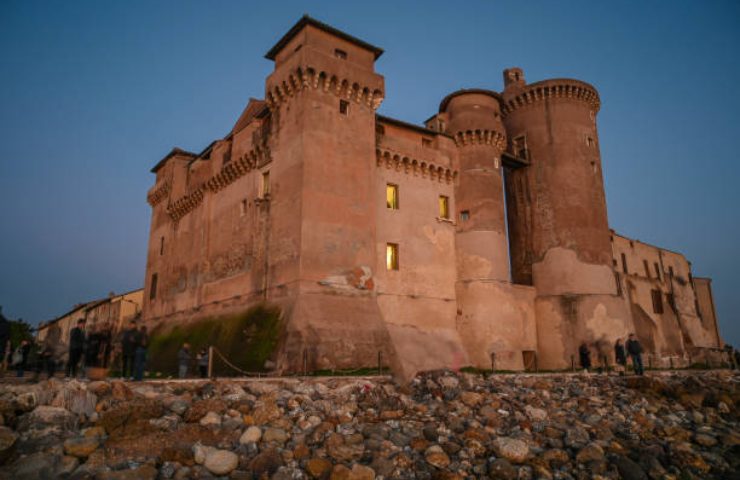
x=93 y=94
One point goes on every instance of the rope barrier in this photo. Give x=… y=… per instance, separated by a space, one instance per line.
x=228 y=363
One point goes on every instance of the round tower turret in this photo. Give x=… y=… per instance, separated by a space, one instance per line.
x=474 y=120
x=558 y=227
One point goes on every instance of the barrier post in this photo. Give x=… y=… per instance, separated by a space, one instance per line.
x=210 y=361
x=493 y=362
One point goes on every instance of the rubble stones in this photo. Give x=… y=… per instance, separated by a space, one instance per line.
x=442 y=425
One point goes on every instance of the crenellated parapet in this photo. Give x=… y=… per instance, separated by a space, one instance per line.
x=255 y=158
x=159 y=192
x=481 y=137
x=553 y=89
x=413 y=166
x=303 y=78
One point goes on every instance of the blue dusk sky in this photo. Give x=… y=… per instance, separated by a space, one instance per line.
x=93 y=94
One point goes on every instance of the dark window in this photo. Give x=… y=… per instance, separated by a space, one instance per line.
x=464 y=215
x=624 y=264
x=614 y=262
x=632 y=244
x=344 y=107
x=161 y=246
x=519 y=144
x=619 y=283
x=298 y=48
x=380 y=129
x=425 y=142
x=590 y=141
x=153 y=287
x=657 y=270
x=657 y=301
x=647 y=268
x=670 y=272
x=340 y=54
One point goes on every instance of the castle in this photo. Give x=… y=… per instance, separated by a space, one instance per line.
x=480 y=237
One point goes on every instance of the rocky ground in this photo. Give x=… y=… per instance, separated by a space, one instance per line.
x=443 y=425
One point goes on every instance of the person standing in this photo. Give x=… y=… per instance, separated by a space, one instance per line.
x=620 y=356
x=183 y=360
x=140 y=354
x=129 y=342
x=20 y=358
x=76 y=347
x=203 y=362
x=635 y=350
x=584 y=355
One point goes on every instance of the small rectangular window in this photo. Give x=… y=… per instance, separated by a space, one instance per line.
x=657 y=270
x=380 y=129
x=647 y=268
x=391 y=196
x=153 y=287
x=590 y=141
x=624 y=264
x=619 y=283
x=391 y=256
x=265 y=184
x=464 y=215
x=657 y=301
x=243 y=207
x=161 y=246
x=341 y=54
x=444 y=206
x=670 y=272
x=344 y=107
x=425 y=142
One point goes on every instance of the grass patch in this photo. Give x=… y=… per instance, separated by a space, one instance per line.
x=246 y=339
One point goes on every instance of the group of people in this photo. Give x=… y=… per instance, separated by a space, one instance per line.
x=632 y=347
x=184 y=359
x=94 y=349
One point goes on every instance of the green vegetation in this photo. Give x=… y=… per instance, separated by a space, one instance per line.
x=247 y=340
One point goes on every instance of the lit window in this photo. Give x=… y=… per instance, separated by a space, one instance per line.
x=391 y=256
x=444 y=206
x=153 y=287
x=391 y=196
x=265 y=184
x=344 y=107
x=341 y=54
x=464 y=216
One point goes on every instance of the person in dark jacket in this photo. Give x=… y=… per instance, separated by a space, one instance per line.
x=76 y=347
x=140 y=354
x=183 y=360
x=584 y=355
x=202 y=359
x=619 y=355
x=635 y=350
x=129 y=342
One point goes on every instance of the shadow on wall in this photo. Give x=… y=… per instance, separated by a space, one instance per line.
x=247 y=339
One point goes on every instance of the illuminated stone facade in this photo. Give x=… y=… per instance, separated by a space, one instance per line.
x=481 y=236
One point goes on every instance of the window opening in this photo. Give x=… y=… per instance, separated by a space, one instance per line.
x=657 y=301
x=344 y=107
x=391 y=256
x=153 y=287
x=391 y=196
x=444 y=206
x=341 y=54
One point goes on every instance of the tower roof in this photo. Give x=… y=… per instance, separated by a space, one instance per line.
x=306 y=20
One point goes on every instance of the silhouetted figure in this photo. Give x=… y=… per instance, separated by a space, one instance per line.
x=203 y=362
x=76 y=347
x=635 y=350
x=183 y=360
x=129 y=341
x=619 y=355
x=140 y=353
x=584 y=356
x=4 y=339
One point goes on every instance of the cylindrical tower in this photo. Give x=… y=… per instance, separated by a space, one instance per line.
x=474 y=120
x=559 y=231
